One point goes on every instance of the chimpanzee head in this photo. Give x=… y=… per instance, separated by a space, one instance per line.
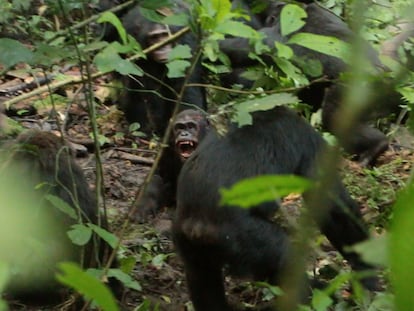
x=190 y=127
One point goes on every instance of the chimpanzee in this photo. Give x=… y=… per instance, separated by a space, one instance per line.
x=149 y=100
x=34 y=167
x=370 y=141
x=210 y=237
x=189 y=128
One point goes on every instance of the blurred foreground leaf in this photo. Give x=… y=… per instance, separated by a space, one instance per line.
x=253 y=191
x=401 y=249
x=87 y=285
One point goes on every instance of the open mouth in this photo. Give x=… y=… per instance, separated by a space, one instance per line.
x=186 y=148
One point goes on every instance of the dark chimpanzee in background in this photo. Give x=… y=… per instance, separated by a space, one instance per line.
x=150 y=99
x=189 y=128
x=211 y=237
x=367 y=142
x=38 y=164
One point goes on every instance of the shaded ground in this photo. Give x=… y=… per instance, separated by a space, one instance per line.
x=158 y=269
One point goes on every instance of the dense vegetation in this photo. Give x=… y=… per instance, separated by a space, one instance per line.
x=50 y=40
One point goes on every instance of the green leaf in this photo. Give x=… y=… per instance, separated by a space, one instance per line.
x=292 y=19
x=47 y=55
x=108 y=60
x=291 y=71
x=87 y=285
x=374 y=250
x=126 y=279
x=13 y=52
x=401 y=248
x=61 y=205
x=323 y=44
x=256 y=190
x=236 y=29
x=321 y=300
x=151 y=15
x=181 y=51
x=180 y=19
x=283 y=50
x=4 y=275
x=109 y=17
x=127 y=264
x=104 y=234
x=177 y=68
x=243 y=109
x=223 y=9
x=159 y=260
x=80 y=234
x=382 y=302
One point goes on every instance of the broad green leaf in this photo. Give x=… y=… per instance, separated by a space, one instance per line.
x=283 y=50
x=108 y=60
x=179 y=19
x=107 y=236
x=181 y=51
x=13 y=52
x=275 y=290
x=236 y=29
x=109 y=17
x=244 y=109
x=374 y=251
x=177 y=68
x=321 y=300
x=323 y=44
x=61 y=205
x=223 y=9
x=291 y=71
x=80 y=234
x=87 y=285
x=256 y=190
x=401 y=248
x=151 y=15
x=159 y=260
x=126 y=279
x=47 y=55
x=127 y=264
x=292 y=19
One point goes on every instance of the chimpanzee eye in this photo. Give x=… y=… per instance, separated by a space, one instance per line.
x=179 y=126
x=192 y=125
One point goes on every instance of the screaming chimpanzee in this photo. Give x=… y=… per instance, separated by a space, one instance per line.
x=37 y=169
x=369 y=142
x=210 y=237
x=189 y=128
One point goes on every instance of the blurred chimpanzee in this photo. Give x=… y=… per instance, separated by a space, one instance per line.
x=149 y=100
x=37 y=170
x=369 y=142
x=189 y=128
x=211 y=237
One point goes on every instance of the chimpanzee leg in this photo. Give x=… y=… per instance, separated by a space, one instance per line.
x=365 y=141
x=206 y=284
x=343 y=226
x=244 y=244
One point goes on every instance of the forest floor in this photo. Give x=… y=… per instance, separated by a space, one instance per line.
x=158 y=269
